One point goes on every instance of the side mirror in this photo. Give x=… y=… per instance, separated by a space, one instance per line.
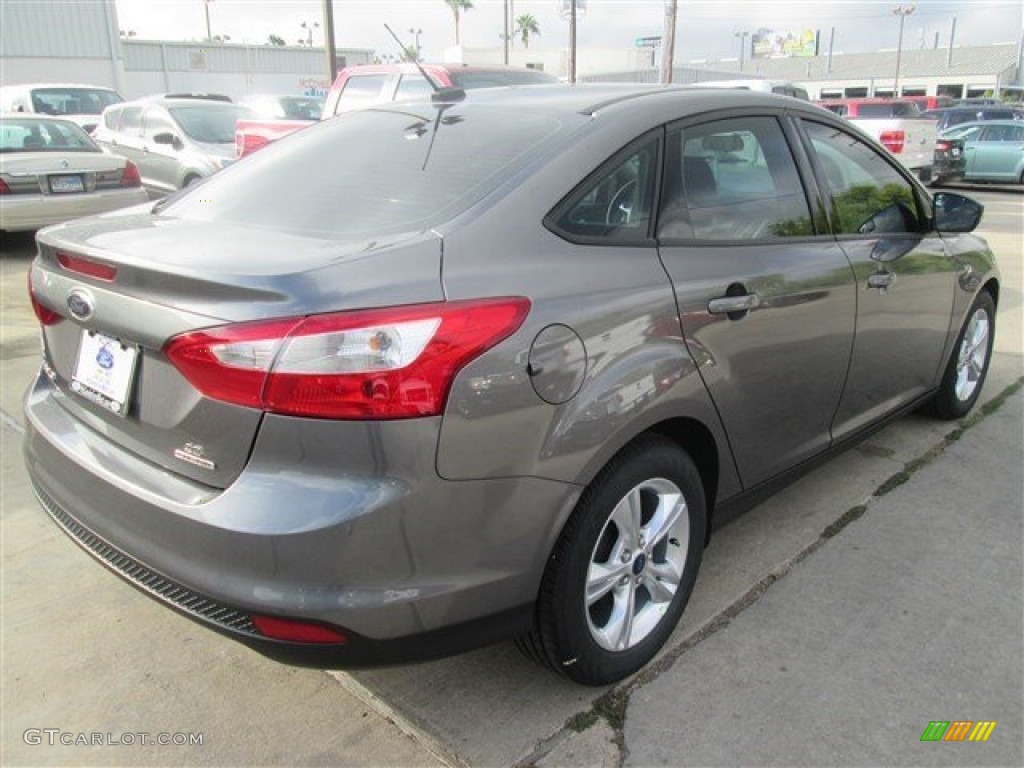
x=956 y=213
x=167 y=138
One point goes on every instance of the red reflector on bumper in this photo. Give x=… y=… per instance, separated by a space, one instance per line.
x=86 y=267
x=297 y=631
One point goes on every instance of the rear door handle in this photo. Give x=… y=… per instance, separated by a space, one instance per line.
x=729 y=304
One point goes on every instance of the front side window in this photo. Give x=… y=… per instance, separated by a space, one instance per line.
x=210 y=123
x=869 y=196
x=1003 y=133
x=615 y=203
x=157 y=122
x=732 y=180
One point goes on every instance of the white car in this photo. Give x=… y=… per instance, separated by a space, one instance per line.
x=77 y=102
x=51 y=171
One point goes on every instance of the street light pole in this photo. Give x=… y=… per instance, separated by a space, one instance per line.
x=743 y=44
x=902 y=12
x=416 y=32
x=206 y=7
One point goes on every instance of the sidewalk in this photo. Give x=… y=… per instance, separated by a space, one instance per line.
x=910 y=614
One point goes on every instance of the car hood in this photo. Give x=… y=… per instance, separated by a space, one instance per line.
x=236 y=273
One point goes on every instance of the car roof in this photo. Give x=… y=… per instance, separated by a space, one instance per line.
x=984 y=123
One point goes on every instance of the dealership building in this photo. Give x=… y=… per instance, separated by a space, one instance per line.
x=59 y=41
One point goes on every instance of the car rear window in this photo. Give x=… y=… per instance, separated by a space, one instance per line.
x=375 y=171
x=890 y=109
x=31 y=135
x=498 y=78
x=72 y=101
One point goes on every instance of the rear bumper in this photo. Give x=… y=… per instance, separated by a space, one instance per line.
x=20 y=213
x=336 y=523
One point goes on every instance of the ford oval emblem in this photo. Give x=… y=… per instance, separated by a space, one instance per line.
x=80 y=304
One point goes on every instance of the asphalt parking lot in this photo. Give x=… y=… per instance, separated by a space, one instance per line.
x=830 y=625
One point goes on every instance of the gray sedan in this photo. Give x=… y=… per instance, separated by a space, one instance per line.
x=428 y=376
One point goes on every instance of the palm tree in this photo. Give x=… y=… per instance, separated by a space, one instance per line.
x=527 y=25
x=457 y=7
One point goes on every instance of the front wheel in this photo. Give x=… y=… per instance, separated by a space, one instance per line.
x=623 y=569
x=968 y=366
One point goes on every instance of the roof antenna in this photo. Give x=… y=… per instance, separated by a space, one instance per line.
x=441 y=94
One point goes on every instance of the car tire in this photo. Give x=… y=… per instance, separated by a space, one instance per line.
x=968 y=365
x=624 y=566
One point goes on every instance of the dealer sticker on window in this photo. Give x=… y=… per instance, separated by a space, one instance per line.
x=104 y=371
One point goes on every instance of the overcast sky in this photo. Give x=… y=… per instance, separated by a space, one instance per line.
x=706 y=30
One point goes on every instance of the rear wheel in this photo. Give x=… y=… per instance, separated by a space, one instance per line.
x=968 y=366
x=623 y=569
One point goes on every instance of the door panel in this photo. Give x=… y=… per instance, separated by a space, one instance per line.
x=767 y=308
x=905 y=278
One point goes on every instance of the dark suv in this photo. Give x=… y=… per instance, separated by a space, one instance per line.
x=951 y=116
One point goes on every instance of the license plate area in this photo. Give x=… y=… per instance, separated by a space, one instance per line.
x=105 y=371
x=67 y=184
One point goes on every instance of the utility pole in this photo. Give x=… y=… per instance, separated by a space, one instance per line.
x=743 y=44
x=508 y=30
x=206 y=7
x=668 y=51
x=332 y=64
x=902 y=12
x=572 y=41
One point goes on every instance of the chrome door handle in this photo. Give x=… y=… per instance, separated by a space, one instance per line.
x=727 y=304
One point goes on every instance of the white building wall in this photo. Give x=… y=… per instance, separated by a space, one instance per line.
x=555 y=61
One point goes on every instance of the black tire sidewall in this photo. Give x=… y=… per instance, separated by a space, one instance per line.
x=563 y=617
x=946 y=404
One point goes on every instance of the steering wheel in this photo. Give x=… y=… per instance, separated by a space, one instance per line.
x=620 y=208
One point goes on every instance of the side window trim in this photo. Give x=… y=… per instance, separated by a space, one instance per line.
x=580 y=190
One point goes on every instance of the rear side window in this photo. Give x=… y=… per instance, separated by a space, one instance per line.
x=372 y=172
x=131 y=121
x=869 y=196
x=732 y=180
x=615 y=203
x=412 y=87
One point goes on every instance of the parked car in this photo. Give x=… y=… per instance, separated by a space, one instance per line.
x=79 y=103
x=953 y=116
x=366 y=85
x=898 y=125
x=930 y=102
x=51 y=171
x=993 y=150
x=494 y=370
x=174 y=141
x=950 y=162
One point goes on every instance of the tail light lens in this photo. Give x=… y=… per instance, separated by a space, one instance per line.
x=4 y=189
x=247 y=143
x=297 y=631
x=391 y=363
x=86 y=267
x=893 y=140
x=943 y=145
x=130 y=175
x=44 y=315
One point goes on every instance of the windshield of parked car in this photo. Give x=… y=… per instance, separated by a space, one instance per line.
x=35 y=135
x=378 y=171
x=72 y=101
x=211 y=122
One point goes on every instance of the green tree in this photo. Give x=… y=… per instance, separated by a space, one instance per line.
x=526 y=25
x=409 y=53
x=275 y=40
x=457 y=7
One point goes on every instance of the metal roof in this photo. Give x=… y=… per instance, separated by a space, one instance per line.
x=933 y=62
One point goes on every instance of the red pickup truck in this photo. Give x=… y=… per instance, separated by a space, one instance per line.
x=370 y=84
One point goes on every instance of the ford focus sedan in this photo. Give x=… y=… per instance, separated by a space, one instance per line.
x=433 y=375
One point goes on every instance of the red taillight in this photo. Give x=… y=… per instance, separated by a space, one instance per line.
x=394 y=363
x=893 y=140
x=130 y=176
x=297 y=631
x=86 y=267
x=247 y=143
x=943 y=145
x=44 y=315
x=4 y=189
